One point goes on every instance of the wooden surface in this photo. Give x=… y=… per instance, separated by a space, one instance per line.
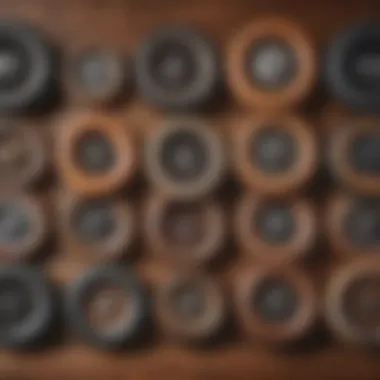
x=122 y=24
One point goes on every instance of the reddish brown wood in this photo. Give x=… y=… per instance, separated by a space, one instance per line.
x=121 y=25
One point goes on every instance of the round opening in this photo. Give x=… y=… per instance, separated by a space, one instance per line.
x=184 y=156
x=173 y=65
x=364 y=153
x=94 y=221
x=274 y=151
x=362 y=224
x=94 y=153
x=272 y=64
x=183 y=226
x=275 y=223
x=275 y=301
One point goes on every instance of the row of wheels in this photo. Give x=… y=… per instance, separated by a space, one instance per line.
x=271 y=63
x=97 y=155
x=110 y=307
x=189 y=233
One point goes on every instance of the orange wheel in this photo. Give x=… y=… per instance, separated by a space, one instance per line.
x=276 y=231
x=271 y=63
x=354 y=154
x=352 y=225
x=96 y=155
x=276 y=305
x=275 y=155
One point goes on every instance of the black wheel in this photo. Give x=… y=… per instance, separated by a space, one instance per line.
x=107 y=307
x=26 y=307
x=177 y=69
x=352 y=67
x=26 y=67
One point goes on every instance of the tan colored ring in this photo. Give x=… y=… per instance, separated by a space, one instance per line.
x=282 y=184
x=85 y=184
x=115 y=246
x=203 y=185
x=204 y=251
x=200 y=329
x=36 y=237
x=301 y=243
x=338 y=154
x=336 y=288
x=291 y=34
x=272 y=333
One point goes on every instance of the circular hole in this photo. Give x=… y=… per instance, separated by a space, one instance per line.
x=94 y=153
x=275 y=301
x=362 y=304
x=274 y=151
x=182 y=225
x=95 y=221
x=364 y=153
x=275 y=223
x=15 y=224
x=184 y=156
x=173 y=65
x=362 y=225
x=272 y=64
